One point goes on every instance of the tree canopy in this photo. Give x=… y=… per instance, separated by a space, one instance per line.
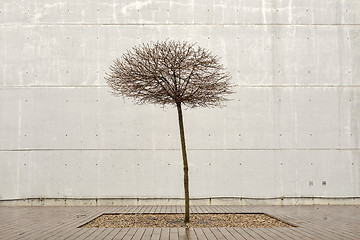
x=170 y=72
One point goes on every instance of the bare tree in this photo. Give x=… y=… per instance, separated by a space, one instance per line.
x=175 y=73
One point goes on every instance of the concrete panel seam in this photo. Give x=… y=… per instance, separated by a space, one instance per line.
x=175 y=24
x=178 y=149
x=239 y=86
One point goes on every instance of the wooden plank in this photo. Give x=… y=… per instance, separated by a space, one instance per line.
x=255 y=233
x=139 y=233
x=163 y=209
x=217 y=233
x=103 y=234
x=129 y=235
x=147 y=234
x=121 y=234
x=157 y=209
x=152 y=209
x=78 y=234
x=227 y=234
x=88 y=233
x=267 y=234
x=245 y=234
x=174 y=234
x=112 y=233
x=287 y=233
x=186 y=234
x=165 y=234
x=156 y=234
x=199 y=233
x=208 y=233
x=236 y=234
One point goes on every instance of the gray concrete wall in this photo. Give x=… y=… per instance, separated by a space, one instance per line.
x=292 y=129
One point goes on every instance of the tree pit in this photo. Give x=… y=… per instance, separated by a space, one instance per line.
x=169 y=220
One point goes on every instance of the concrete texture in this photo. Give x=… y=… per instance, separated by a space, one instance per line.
x=291 y=131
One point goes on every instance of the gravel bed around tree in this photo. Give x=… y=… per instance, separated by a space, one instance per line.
x=177 y=221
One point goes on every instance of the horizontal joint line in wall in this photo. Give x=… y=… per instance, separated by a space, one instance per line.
x=177 y=24
x=55 y=86
x=179 y=198
x=240 y=86
x=298 y=86
x=174 y=149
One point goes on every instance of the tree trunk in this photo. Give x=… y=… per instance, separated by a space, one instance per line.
x=185 y=164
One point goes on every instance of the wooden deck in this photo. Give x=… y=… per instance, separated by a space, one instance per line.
x=313 y=222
